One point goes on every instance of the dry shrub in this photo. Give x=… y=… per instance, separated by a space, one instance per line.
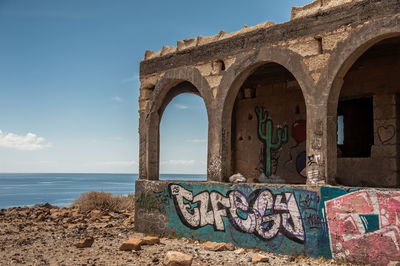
x=104 y=201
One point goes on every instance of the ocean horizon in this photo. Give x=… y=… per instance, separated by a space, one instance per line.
x=61 y=189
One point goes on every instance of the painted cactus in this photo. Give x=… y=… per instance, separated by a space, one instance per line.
x=281 y=136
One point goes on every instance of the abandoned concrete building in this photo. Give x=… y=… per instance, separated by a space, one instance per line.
x=312 y=104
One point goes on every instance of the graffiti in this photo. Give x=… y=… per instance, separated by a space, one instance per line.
x=319 y=128
x=262 y=213
x=368 y=219
x=301 y=164
x=149 y=202
x=313 y=175
x=312 y=219
x=316 y=143
x=313 y=159
x=308 y=201
x=386 y=133
x=299 y=135
x=281 y=136
x=299 y=131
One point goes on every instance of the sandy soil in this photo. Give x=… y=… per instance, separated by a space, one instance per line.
x=45 y=235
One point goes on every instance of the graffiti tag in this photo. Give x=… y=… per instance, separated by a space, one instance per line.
x=262 y=213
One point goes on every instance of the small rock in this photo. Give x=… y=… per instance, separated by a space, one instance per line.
x=174 y=258
x=131 y=244
x=41 y=217
x=87 y=243
x=256 y=258
x=55 y=213
x=128 y=221
x=237 y=178
x=240 y=251
x=214 y=246
x=150 y=240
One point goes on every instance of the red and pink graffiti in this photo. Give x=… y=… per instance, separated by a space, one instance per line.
x=365 y=226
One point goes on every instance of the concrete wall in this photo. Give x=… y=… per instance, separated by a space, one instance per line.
x=353 y=224
x=318 y=49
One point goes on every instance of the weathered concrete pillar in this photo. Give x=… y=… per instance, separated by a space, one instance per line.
x=153 y=147
x=215 y=167
x=142 y=146
x=386 y=137
x=318 y=145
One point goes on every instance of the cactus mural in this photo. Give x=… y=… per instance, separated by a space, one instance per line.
x=267 y=136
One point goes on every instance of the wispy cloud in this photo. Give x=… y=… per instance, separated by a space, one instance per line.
x=29 y=142
x=196 y=140
x=181 y=106
x=134 y=77
x=117 y=99
x=178 y=162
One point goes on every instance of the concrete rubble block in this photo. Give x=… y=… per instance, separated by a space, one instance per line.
x=150 y=240
x=149 y=54
x=180 y=45
x=257 y=258
x=220 y=34
x=87 y=243
x=168 y=50
x=131 y=244
x=186 y=44
x=215 y=246
x=201 y=40
x=175 y=258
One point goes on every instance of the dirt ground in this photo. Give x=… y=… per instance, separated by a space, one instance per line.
x=45 y=235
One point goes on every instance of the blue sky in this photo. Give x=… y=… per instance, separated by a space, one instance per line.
x=69 y=80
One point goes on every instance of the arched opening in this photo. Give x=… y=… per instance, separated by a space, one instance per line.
x=268 y=143
x=368 y=115
x=183 y=134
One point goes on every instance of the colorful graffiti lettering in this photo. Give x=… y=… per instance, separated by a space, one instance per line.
x=366 y=218
x=263 y=213
x=266 y=125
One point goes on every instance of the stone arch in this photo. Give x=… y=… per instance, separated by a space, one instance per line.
x=331 y=81
x=234 y=77
x=173 y=83
x=348 y=51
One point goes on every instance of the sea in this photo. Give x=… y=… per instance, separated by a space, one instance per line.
x=18 y=190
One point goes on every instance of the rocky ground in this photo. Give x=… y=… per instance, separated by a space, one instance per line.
x=48 y=235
